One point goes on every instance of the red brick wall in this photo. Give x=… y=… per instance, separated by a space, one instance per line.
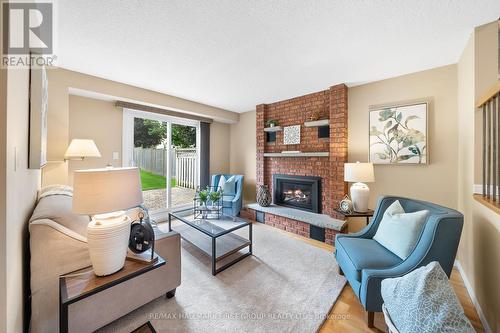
x=332 y=104
x=283 y=223
x=296 y=111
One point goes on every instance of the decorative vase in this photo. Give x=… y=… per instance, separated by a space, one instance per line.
x=264 y=196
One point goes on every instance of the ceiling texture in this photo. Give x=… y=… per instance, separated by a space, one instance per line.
x=235 y=54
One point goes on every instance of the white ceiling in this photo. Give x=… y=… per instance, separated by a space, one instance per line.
x=235 y=54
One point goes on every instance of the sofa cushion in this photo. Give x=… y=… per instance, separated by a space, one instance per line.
x=356 y=254
x=424 y=301
x=399 y=231
x=58 y=208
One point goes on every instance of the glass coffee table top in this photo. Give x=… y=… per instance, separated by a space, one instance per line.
x=211 y=227
x=216 y=238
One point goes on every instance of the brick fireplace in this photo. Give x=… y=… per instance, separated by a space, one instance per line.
x=328 y=144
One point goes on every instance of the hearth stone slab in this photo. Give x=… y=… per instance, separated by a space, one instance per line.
x=319 y=220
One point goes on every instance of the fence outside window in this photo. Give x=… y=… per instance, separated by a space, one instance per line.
x=183 y=162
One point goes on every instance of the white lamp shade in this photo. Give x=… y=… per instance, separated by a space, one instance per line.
x=99 y=191
x=81 y=148
x=359 y=172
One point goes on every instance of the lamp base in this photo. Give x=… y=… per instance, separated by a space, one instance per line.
x=107 y=237
x=360 y=194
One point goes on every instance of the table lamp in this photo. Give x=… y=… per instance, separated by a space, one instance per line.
x=79 y=149
x=105 y=194
x=359 y=173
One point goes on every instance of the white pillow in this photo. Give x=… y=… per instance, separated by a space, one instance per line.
x=228 y=186
x=399 y=231
x=222 y=181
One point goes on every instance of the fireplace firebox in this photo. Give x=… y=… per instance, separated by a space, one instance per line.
x=301 y=192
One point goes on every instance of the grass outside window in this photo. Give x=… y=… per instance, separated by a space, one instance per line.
x=151 y=181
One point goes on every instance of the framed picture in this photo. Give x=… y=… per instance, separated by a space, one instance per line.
x=291 y=135
x=38 y=118
x=398 y=134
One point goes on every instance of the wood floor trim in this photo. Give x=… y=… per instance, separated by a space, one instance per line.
x=473 y=298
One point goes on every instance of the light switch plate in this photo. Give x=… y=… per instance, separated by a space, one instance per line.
x=116 y=155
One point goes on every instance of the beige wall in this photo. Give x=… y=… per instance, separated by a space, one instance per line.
x=243 y=152
x=435 y=182
x=60 y=82
x=100 y=121
x=479 y=252
x=21 y=188
x=219 y=148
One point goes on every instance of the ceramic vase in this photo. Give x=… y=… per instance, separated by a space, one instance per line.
x=264 y=198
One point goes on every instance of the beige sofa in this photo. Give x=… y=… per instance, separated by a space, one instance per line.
x=58 y=246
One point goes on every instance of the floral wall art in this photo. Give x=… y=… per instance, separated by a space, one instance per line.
x=398 y=135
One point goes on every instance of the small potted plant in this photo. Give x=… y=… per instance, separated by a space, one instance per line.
x=271 y=123
x=215 y=197
x=203 y=197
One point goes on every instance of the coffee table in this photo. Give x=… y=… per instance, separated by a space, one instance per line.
x=214 y=237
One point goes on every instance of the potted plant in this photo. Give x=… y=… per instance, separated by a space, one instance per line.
x=271 y=123
x=203 y=197
x=215 y=197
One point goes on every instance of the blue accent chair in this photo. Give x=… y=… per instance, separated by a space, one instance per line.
x=365 y=263
x=231 y=203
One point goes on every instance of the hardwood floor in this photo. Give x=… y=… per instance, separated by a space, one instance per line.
x=348 y=315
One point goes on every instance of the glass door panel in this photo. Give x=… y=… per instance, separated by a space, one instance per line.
x=151 y=156
x=184 y=164
x=166 y=151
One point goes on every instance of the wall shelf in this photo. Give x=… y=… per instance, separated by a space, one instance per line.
x=317 y=123
x=273 y=129
x=301 y=154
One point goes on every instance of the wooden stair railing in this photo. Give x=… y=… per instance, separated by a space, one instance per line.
x=489 y=103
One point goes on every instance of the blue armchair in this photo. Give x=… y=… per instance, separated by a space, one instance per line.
x=365 y=263
x=231 y=203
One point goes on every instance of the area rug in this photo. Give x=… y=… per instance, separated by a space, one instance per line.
x=287 y=286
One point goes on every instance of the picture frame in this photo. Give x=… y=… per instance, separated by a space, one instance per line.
x=291 y=135
x=38 y=109
x=398 y=133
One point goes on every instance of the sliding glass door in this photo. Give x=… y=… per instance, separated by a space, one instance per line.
x=166 y=150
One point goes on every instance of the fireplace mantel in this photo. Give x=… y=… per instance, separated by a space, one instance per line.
x=302 y=154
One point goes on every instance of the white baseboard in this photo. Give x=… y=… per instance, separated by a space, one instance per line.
x=472 y=295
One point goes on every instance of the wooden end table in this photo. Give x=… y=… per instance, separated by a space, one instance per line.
x=368 y=214
x=83 y=283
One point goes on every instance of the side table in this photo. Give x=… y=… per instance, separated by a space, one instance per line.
x=367 y=214
x=81 y=285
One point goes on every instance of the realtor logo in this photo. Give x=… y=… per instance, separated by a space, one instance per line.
x=27 y=27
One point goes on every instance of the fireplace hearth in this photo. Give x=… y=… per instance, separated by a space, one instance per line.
x=301 y=192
